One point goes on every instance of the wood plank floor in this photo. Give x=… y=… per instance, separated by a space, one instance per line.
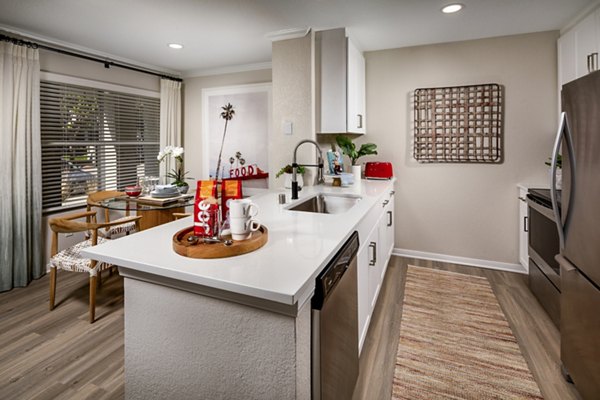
x=59 y=355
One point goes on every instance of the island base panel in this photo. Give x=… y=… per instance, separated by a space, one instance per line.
x=182 y=345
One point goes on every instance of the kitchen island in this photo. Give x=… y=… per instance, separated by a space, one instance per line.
x=236 y=327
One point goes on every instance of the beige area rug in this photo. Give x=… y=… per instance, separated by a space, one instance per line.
x=455 y=342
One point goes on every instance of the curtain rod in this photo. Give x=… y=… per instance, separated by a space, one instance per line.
x=107 y=63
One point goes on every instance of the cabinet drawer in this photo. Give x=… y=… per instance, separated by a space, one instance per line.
x=546 y=293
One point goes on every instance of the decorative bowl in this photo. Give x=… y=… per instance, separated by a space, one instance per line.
x=133 y=191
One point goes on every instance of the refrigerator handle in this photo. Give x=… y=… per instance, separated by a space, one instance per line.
x=553 y=190
x=563 y=129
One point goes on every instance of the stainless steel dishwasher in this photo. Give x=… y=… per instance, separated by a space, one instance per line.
x=335 y=326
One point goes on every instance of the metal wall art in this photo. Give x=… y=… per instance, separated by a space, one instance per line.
x=461 y=124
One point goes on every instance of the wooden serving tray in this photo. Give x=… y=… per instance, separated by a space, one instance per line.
x=218 y=250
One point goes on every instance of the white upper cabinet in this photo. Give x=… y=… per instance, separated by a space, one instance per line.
x=586 y=33
x=578 y=49
x=340 y=84
x=567 y=58
x=355 y=119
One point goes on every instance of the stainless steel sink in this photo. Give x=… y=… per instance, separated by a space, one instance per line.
x=323 y=203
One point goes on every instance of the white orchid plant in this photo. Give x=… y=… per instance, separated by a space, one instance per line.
x=176 y=173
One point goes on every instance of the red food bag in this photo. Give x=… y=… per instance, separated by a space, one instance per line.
x=206 y=209
x=231 y=189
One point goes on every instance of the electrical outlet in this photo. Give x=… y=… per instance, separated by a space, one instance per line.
x=287 y=127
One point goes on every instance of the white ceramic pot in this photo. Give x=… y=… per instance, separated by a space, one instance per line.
x=357 y=172
x=183 y=189
x=288 y=180
x=558 y=178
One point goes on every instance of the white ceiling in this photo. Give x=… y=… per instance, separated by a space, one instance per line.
x=225 y=33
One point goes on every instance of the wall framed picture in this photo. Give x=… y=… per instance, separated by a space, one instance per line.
x=245 y=146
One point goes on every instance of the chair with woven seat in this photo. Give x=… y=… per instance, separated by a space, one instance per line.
x=94 y=200
x=70 y=259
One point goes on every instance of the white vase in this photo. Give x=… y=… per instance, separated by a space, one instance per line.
x=357 y=172
x=288 y=180
x=558 y=178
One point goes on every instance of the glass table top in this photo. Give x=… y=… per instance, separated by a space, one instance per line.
x=127 y=203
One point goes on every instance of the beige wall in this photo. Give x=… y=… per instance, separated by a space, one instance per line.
x=192 y=111
x=465 y=210
x=453 y=209
x=292 y=76
x=293 y=101
x=77 y=67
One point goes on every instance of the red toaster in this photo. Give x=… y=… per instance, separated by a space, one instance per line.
x=379 y=170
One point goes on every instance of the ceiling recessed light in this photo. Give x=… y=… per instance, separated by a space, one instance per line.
x=452 y=8
x=176 y=46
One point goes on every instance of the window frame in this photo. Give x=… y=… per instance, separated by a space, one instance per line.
x=94 y=85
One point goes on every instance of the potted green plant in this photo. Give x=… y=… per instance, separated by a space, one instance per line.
x=558 y=161
x=287 y=172
x=177 y=173
x=349 y=148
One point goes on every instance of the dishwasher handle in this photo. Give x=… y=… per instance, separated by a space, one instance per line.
x=334 y=271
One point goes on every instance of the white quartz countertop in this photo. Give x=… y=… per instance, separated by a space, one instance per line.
x=284 y=270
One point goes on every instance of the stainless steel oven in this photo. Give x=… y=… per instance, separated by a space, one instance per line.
x=544 y=270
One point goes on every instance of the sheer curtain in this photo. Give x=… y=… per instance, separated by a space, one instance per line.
x=170 y=119
x=20 y=167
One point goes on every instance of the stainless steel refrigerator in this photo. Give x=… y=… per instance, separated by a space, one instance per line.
x=578 y=223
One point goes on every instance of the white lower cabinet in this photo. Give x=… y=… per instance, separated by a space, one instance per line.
x=365 y=255
x=373 y=257
x=386 y=230
x=374 y=252
x=523 y=229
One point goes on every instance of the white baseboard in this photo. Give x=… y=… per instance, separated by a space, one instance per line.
x=502 y=266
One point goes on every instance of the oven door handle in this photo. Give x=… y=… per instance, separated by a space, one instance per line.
x=545 y=211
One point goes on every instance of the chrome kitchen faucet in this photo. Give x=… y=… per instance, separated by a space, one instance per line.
x=295 y=166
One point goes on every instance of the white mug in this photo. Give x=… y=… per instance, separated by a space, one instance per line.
x=242 y=228
x=242 y=208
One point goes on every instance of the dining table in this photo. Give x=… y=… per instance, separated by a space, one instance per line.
x=154 y=212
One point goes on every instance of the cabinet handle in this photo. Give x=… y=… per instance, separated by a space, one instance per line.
x=385 y=203
x=393 y=192
x=525 y=224
x=594 y=62
x=523 y=199
x=389 y=213
x=588 y=63
x=360 y=120
x=373 y=246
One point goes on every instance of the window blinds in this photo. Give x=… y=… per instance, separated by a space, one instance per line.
x=94 y=139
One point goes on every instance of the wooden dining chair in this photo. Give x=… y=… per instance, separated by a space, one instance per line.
x=178 y=215
x=94 y=201
x=70 y=259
